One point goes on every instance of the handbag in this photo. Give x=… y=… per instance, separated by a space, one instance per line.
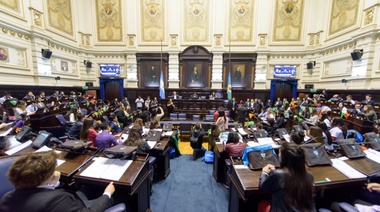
x=351 y=149
x=315 y=154
x=261 y=156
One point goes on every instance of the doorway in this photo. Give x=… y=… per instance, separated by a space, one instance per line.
x=111 y=89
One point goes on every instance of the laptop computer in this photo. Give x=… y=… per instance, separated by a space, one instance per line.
x=120 y=151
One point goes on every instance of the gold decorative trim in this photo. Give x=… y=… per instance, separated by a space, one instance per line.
x=121 y=56
x=218 y=39
x=63 y=48
x=109 y=21
x=343 y=15
x=131 y=40
x=262 y=38
x=287 y=56
x=13 y=33
x=241 y=19
x=339 y=48
x=368 y=14
x=85 y=39
x=173 y=40
x=152 y=20
x=288 y=20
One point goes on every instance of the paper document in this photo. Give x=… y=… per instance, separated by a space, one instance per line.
x=168 y=133
x=19 y=148
x=267 y=140
x=45 y=149
x=242 y=132
x=373 y=155
x=158 y=130
x=13 y=142
x=233 y=129
x=240 y=167
x=124 y=137
x=286 y=137
x=105 y=168
x=59 y=162
x=252 y=143
x=6 y=132
x=152 y=144
x=346 y=169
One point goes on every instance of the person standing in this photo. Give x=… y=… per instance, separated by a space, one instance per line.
x=241 y=112
x=139 y=103
x=233 y=106
x=170 y=106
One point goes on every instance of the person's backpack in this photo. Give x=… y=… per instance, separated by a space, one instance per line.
x=209 y=157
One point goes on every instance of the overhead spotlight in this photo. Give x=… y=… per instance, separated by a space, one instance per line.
x=357 y=54
x=88 y=64
x=344 y=81
x=57 y=78
x=46 y=53
x=310 y=64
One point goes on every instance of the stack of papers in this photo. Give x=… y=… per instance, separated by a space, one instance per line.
x=242 y=132
x=19 y=148
x=252 y=143
x=105 y=168
x=346 y=169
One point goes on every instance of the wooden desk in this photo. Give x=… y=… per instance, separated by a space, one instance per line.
x=133 y=185
x=219 y=163
x=244 y=185
x=162 y=154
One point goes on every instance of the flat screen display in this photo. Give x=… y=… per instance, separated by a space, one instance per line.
x=109 y=70
x=284 y=71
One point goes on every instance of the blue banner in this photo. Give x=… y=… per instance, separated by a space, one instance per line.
x=284 y=71
x=107 y=70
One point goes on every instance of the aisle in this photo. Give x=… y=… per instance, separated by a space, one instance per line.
x=190 y=187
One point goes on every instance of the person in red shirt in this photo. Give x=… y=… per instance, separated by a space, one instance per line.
x=88 y=133
x=233 y=145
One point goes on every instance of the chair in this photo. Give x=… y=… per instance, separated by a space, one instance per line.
x=182 y=116
x=209 y=118
x=84 y=111
x=105 y=118
x=6 y=186
x=185 y=129
x=63 y=121
x=173 y=116
x=196 y=117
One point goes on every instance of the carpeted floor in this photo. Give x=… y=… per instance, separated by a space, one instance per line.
x=190 y=187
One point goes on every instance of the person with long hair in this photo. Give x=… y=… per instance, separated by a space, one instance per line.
x=88 y=132
x=324 y=116
x=73 y=114
x=316 y=135
x=326 y=135
x=196 y=140
x=369 y=113
x=135 y=139
x=313 y=117
x=291 y=186
x=222 y=121
x=21 y=109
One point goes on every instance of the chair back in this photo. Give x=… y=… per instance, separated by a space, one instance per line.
x=5 y=185
x=61 y=119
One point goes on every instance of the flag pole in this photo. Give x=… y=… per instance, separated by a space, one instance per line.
x=161 y=88
x=229 y=84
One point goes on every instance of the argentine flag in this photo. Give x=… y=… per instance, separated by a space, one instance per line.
x=162 y=86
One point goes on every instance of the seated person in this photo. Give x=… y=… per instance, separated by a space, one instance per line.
x=175 y=95
x=194 y=95
x=74 y=130
x=115 y=125
x=135 y=139
x=357 y=110
x=196 y=141
x=297 y=137
x=233 y=145
x=39 y=194
x=213 y=96
x=292 y=185
x=105 y=139
x=88 y=132
x=260 y=129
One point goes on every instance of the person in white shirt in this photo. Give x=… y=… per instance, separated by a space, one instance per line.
x=32 y=107
x=139 y=103
x=337 y=129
